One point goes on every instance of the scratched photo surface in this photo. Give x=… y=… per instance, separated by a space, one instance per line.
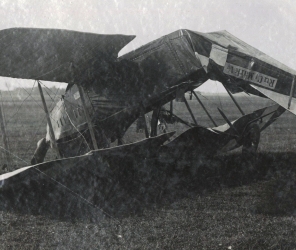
x=147 y=124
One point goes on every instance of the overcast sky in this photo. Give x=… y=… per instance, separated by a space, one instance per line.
x=268 y=25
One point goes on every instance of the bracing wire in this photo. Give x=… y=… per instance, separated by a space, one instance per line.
x=59 y=183
x=47 y=91
x=30 y=94
x=41 y=123
x=3 y=114
x=68 y=190
x=75 y=127
x=21 y=104
x=52 y=179
x=25 y=36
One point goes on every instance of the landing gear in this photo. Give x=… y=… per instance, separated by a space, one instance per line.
x=250 y=142
x=154 y=121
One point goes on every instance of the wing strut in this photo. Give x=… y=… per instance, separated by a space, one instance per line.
x=146 y=127
x=189 y=109
x=179 y=119
x=291 y=92
x=204 y=108
x=171 y=108
x=51 y=133
x=88 y=120
x=227 y=120
x=235 y=102
x=4 y=137
x=154 y=121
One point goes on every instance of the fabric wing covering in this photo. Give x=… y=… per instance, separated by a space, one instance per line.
x=56 y=55
x=186 y=55
x=158 y=67
x=166 y=63
x=238 y=66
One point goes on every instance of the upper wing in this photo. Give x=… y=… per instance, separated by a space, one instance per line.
x=56 y=55
x=167 y=61
x=188 y=56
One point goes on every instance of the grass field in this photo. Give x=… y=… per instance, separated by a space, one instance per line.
x=229 y=208
x=26 y=122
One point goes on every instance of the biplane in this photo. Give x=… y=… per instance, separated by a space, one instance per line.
x=107 y=93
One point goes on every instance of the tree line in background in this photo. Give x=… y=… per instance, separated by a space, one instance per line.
x=22 y=93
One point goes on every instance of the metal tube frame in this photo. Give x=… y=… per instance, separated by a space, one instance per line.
x=190 y=111
x=4 y=136
x=51 y=132
x=88 y=120
x=235 y=102
x=291 y=92
x=204 y=108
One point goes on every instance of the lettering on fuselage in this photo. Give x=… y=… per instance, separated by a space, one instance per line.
x=249 y=75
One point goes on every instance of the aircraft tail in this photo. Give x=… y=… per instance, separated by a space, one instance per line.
x=263 y=117
x=240 y=128
x=208 y=141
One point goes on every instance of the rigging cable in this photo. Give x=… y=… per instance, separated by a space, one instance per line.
x=41 y=123
x=76 y=128
x=90 y=204
x=21 y=105
x=32 y=96
x=25 y=40
x=59 y=183
x=79 y=196
x=47 y=91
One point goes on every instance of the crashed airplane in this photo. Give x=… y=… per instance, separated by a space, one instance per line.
x=107 y=93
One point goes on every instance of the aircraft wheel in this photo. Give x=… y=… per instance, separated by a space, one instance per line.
x=250 y=142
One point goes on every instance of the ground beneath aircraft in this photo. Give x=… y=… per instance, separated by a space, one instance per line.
x=231 y=211
x=224 y=205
